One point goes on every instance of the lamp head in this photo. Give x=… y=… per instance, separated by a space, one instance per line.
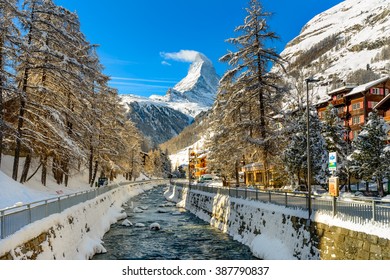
x=311 y=80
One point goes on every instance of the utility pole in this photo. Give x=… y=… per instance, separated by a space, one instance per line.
x=308 y=81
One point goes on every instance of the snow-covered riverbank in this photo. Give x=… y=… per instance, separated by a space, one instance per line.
x=75 y=233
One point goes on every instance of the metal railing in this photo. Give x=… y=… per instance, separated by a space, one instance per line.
x=14 y=218
x=357 y=210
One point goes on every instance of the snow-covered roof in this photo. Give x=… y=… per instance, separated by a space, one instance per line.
x=204 y=155
x=322 y=100
x=253 y=166
x=366 y=86
x=341 y=89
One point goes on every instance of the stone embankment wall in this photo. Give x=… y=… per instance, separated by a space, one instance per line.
x=75 y=233
x=260 y=225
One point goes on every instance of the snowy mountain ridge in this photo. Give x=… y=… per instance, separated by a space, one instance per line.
x=163 y=117
x=349 y=36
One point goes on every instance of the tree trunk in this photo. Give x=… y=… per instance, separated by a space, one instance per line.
x=237 y=175
x=94 y=173
x=44 y=170
x=380 y=187
x=18 y=145
x=90 y=163
x=262 y=116
x=65 y=168
x=26 y=168
x=35 y=172
x=1 y=99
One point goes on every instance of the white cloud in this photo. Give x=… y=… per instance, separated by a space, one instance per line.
x=165 y=63
x=182 y=56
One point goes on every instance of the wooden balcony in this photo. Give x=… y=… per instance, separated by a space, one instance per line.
x=356 y=127
x=357 y=112
x=374 y=97
x=343 y=115
x=338 y=102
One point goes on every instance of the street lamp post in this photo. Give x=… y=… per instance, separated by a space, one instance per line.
x=308 y=81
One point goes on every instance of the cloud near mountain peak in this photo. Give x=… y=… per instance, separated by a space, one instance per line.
x=184 y=56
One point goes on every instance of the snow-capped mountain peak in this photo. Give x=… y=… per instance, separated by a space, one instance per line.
x=163 y=117
x=201 y=68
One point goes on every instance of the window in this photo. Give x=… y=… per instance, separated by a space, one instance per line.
x=386 y=91
x=376 y=91
x=356 y=120
x=355 y=134
x=259 y=177
x=250 y=178
x=372 y=104
x=356 y=106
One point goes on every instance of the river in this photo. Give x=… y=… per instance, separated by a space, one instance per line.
x=182 y=236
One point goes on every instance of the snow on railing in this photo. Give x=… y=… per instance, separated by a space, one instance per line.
x=14 y=218
x=356 y=210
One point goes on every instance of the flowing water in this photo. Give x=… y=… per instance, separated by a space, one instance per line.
x=182 y=236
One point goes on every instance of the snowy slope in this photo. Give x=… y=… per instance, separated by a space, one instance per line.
x=157 y=121
x=343 y=39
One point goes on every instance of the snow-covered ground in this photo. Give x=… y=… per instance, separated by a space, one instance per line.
x=13 y=193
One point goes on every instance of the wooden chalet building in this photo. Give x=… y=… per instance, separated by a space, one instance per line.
x=197 y=163
x=354 y=103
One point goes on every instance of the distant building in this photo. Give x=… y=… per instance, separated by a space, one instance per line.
x=197 y=163
x=255 y=175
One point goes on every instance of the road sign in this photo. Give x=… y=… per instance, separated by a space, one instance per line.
x=333 y=161
x=334 y=186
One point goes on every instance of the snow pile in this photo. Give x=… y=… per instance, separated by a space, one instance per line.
x=267 y=247
x=16 y=194
x=126 y=223
x=155 y=226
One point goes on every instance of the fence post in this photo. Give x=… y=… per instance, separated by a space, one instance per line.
x=334 y=206
x=46 y=208
x=269 y=196
x=245 y=194
x=59 y=205
x=257 y=194
x=285 y=199
x=373 y=210
x=2 y=225
x=29 y=213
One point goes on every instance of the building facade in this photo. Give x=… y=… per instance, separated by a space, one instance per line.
x=354 y=103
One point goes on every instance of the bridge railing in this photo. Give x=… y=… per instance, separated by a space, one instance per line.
x=357 y=210
x=14 y=218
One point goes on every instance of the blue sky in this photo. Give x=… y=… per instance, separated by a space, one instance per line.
x=133 y=34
